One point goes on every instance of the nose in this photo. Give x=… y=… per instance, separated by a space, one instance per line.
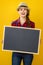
x=23 y=10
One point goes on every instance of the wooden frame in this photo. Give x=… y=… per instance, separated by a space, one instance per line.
x=35 y=29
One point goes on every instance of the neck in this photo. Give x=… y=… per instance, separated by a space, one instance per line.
x=22 y=20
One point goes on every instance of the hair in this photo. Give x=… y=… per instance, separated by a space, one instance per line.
x=27 y=13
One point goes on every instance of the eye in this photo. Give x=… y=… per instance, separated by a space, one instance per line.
x=20 y=9
x=25 y=9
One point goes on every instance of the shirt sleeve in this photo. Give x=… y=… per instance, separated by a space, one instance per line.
x=32 y=24
x=13 y=23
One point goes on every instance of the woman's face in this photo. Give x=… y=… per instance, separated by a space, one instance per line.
x=22 y=11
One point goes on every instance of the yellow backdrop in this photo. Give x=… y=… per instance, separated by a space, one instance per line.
x=8 y=13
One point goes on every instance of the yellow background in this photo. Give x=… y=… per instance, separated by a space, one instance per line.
x=8 y=13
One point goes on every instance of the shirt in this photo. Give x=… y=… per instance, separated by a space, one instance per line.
x=28 y=23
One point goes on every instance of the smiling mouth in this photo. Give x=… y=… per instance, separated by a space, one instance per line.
x=23 y=13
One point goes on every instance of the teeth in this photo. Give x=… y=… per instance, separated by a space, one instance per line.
x=22 y=14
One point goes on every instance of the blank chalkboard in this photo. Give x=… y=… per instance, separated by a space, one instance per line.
x=22 y=40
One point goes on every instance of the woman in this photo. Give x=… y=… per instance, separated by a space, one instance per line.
x=22 y=21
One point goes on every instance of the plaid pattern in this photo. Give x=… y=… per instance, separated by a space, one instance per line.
x=29 y=24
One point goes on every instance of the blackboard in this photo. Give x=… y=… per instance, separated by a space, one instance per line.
x=22 y=40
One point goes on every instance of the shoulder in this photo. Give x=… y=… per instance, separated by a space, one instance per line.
x=14 y=22
x=32 y=24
